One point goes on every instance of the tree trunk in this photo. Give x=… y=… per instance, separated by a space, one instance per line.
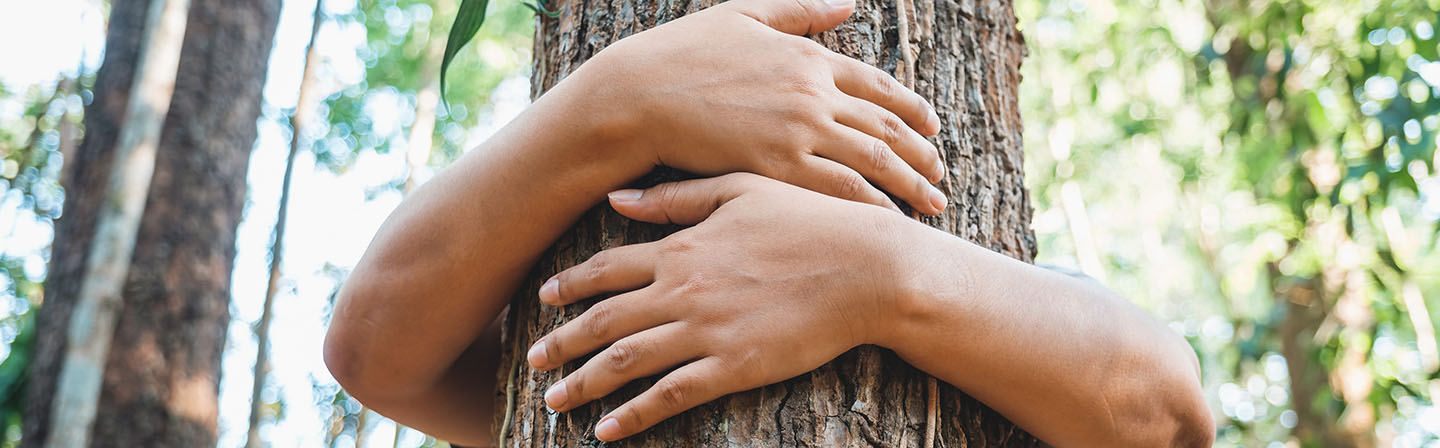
x=160 y=382
x=965 y=57
x=107 y=261
x=84 y=189
x=162 y=378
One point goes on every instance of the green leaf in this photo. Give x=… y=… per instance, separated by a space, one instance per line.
x=467 y=23
x=539 y=8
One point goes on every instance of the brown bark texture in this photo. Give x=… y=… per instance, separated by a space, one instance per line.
x=964 y=56
x=162 y=373
x=84 y=189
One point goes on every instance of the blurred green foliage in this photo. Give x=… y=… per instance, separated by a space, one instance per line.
x=31 y=166
x=404 y=41
x=1262 y=174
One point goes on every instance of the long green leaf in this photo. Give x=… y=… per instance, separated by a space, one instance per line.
x=467 y=22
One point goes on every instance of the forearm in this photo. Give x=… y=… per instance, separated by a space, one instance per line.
x=1062 y=357
x=452 y=254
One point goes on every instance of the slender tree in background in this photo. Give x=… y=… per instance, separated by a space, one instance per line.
x=965 y=57
x=107 y=261
x=93 y=323
x=160 y=376
x=304 y=105
x=85 y=187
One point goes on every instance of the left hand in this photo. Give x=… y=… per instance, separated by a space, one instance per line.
x=775 y=281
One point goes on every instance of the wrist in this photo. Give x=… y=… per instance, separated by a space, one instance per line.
x=930 y=277
x=606 y=114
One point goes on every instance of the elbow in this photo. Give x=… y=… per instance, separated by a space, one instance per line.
x=1177 y=418
x=1164 y=407
x=342 y=359
x=349 y=351
x=1193 y=418
x=1198 y=433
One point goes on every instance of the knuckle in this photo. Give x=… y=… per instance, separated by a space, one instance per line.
x=598 y=265
x=884 y=84
x=694 y=285
x=803 y=83
x=669 y=195
x=809 y=48
x=678 y=243
x=673 y=393
x=596 y=322
x=877 y=155
x=623 y=356
x=849 y=186
x=575 y=387
x=891 y=129
x=922 y=185
x=747 y=365
x=554 y=348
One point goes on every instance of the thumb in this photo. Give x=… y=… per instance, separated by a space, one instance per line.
x=799 y=17
x=686 y=202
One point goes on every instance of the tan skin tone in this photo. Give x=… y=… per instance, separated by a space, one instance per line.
x=1060 y=356
x=1095 y=370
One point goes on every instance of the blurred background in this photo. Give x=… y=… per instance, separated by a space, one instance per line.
x=1259 y=174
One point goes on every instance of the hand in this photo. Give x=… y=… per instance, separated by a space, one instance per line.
x=734 y=88
x=761 y=291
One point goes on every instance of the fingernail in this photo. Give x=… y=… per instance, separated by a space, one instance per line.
x=939 y=171
x=935 y=119
x=556 y=396
x=550 y=291
x=840 y=4
x=626 y=195
x=608 y=429
x=937 y=199
x=536 y=355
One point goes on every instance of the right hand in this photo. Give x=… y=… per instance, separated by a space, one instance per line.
x=736 y=88
x=772 y=281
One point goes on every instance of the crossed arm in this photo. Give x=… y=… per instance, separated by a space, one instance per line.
x=412 y=335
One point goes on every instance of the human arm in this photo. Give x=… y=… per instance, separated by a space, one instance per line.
x=1059 y=356
x=406 y=328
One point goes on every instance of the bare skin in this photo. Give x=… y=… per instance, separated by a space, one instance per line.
x=1060 y=356
x=786 y=109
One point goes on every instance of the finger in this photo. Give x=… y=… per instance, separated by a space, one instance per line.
x=863 y=81
x=640 y=355
x=798 y=17
x=884 y=125
x=874 y=160
x=827 y=176
x=688 y=386
x=617 y=269
x=604 y=323
x=685 y=202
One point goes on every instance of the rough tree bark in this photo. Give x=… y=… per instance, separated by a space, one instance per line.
x=161 y=384
x=84 y=188
x=107 y=262
x=962 y=55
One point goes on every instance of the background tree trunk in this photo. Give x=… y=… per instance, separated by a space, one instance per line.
x=84 y=188
x=161 y=384
x=162 y=378
x=965 y=57
x=304 y=104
